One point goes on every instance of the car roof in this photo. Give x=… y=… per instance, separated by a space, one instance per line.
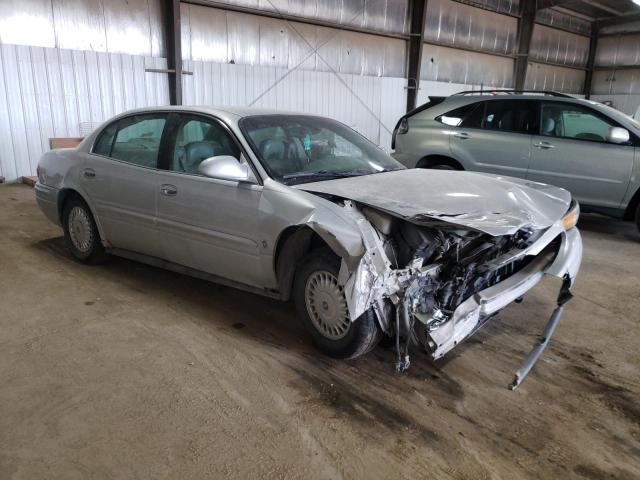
x=223 y=110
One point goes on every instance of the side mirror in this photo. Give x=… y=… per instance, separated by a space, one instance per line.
x=618 y=135
x=226 y=167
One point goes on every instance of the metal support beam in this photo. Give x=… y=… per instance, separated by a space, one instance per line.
x=417 y=20
x=610 y=22
x=525 y=32
x=593 y=45
x=173 y=42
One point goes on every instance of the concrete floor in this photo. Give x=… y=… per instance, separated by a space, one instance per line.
x=126 y=371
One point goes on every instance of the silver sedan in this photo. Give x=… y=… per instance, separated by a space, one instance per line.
x=302 y=207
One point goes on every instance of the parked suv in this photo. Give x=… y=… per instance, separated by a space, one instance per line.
x=588 y=148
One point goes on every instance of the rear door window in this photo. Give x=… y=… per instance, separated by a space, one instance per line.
x=137 y=140
x=519 y=116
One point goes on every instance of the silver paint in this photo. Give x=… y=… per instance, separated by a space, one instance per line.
x=237 y=240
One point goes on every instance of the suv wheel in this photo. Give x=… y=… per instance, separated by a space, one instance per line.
x=322 y=306
x=638 y=217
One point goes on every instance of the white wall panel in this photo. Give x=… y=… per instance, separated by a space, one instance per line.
x=47 y=92
x=370 y=104
x=117 y=26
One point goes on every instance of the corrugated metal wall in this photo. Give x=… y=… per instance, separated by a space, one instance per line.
x=50 y=92
x=551 y=77
x=459 y=25
x=212 y=34
x=618 y=76
x=562 y=49
x=382 y=15
x=371 y=105
x=116 y=26
x=444 y=64
x=67 y=65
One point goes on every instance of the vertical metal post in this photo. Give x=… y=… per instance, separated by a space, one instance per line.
x=525 y=32
x=173 y=42
x=593 y=45
x=417 y=19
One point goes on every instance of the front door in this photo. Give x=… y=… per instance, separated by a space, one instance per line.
x=204 y=223
x=496 y=137
x=120 y=177
x=572 y=152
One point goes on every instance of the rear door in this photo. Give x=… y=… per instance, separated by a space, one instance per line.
x=572 y=152
x=207 y=224
x=496 y=137
x=120 y=177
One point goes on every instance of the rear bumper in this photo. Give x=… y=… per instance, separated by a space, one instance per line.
x=47 y=199
x=473 y=312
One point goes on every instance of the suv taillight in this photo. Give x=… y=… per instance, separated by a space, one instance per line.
x=401 y=128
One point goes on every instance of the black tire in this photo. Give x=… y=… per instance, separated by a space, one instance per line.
x=442 y=166
x=94 y=251
x=361 y=335
x=638 y=217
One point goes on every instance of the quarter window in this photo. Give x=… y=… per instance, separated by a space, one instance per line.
x=573 y=121
x=455 y=118
x=198 y=139
x=137 y=140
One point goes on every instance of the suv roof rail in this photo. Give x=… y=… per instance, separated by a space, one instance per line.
x=511 y=92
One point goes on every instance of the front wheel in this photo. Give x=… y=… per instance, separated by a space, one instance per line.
x=322 y=306
x=638 y=217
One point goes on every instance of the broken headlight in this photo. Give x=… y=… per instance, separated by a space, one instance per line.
x=570 y=218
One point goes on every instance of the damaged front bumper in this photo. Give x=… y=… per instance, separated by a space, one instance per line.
x=557 y=252
x=473 y=312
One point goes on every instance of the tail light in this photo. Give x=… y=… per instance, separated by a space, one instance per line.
x=401 y=128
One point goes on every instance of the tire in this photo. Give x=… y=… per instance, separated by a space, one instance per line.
x=316 y=277
x=81 y=234
x=442 y=166
x=638 y=217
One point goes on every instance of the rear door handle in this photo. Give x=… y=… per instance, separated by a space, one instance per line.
x=169 y=190
x=544 y=145
x=462 y=135
x=89 y=173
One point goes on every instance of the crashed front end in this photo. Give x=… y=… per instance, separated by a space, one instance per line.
x=434 y=283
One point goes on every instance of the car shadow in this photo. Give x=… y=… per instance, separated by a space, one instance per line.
x=270 y=321
x=601 y=224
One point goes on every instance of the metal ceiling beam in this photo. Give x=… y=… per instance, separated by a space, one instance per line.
x=603 y=7
x=173 y=41
x=417 y=20
x=525 y=32
x=610 y=22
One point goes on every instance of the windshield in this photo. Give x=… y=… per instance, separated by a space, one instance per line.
x=299 y=149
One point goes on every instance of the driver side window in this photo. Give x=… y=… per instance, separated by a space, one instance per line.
x=573 y=121
x=197 y=139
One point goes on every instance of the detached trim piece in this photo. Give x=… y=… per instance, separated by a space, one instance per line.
x=543 y=341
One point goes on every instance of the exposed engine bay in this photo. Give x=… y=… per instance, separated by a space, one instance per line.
x=415 y=276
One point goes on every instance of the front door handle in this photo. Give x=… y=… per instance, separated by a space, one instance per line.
x=169 y=190
x=462 y=135
x=544 y=145
x=89 y=173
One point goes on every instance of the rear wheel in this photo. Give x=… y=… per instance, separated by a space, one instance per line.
x=638 y=217
x=442 y=166
x=81 y=233
x=322 y=306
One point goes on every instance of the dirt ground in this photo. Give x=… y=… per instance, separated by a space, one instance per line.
x=126 y=371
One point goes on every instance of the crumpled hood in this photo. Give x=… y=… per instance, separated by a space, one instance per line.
x=493 y=204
